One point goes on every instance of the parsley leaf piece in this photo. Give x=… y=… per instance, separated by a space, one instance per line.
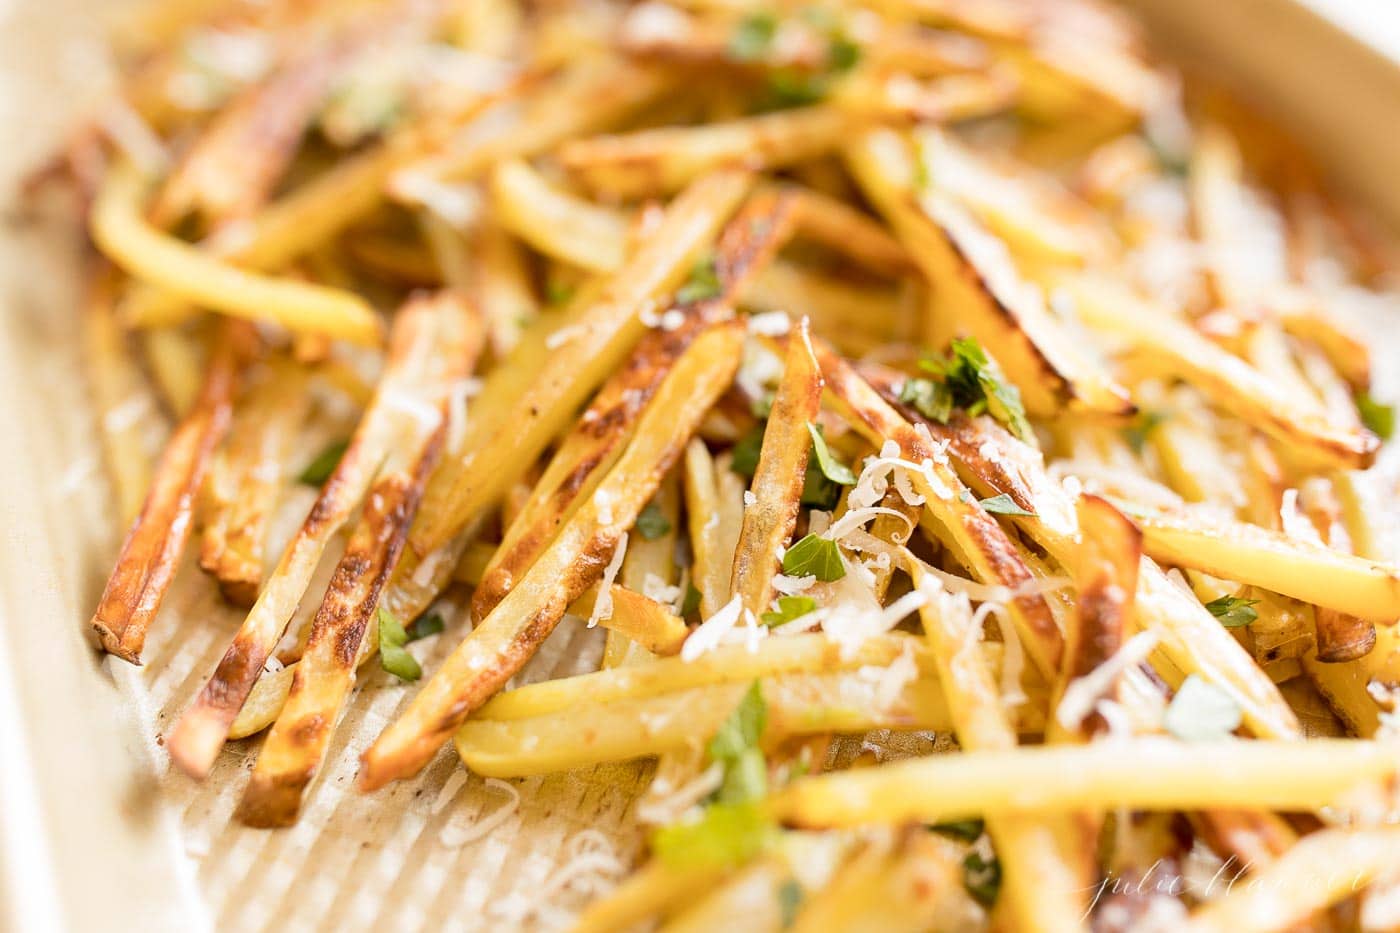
x=843 y=53
x=753 y=37
x=392 y=656
x=762 y=406
x=1232 y=611
x=975 y=383
x=557 y=293
x=832 y=468
x=982 y=878
x=931 y=399
x=814 y=556
x=728 y=834
x=691 y=604
x=1003 y=505
x=744 y=457
x=735 y=746
x=789 y=608
x=1201 y=712
x=320 y=469
x=791 y=88
x=1138 y=433
x=964 y=830
x=423 y=626
x=1376 y=416
x=790 y=897
x=703 y=283
x=652 y=522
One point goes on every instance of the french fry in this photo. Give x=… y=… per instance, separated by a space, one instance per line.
x=554 y=221
x=594 y=444
x=117 y=388
x=1221 y=376
x=977 y=282
x=1340 y=637
x=642 y=619
x=650 y=563
x=156 y=540
x=981 y=543
x=1322 y=869
x=659 y=161
x=856 y=319
x=1046 y=863
x=751 y=892
x=122 y=234
x=797 y=704
x=469 y=481
x=946 y=99
x=200 y=732
x=1152 y=775
x=778 y=480
x=506 y=638
x=176 y=363
x=245 y=480
x=838 y=226
x=650 y=890
x=1272 y=560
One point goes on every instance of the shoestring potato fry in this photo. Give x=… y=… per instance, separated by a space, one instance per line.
x=862 y=367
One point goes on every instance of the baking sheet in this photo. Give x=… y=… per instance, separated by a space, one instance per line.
x=95 y=832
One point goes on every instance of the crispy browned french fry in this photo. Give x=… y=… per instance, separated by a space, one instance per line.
x=245 y=480
x=151 y=552
x=640 y=618
x=1340 y=637
x=778 y=480
x=506 y=638
x=588 y=451
x=387 y=426
x=978 y=288
x=1106 y=577
x=836 y=225
x=981 y=542
x=471 y=480
x=341 y=631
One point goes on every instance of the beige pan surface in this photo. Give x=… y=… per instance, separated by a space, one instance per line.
x=95 y=830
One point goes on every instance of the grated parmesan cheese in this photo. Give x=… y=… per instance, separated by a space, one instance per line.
x=1083 y=693
x=455 y=836
x=603 y=605
x=770 y=323
x=712 y=631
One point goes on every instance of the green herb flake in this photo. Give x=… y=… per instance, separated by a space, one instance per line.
x=1232 y=611
x=652 y=523
x=1376 y=416
x=744 y=457
x=726 y=835
x=832 y=468
x=762 y=406
x=962 y=830
x=424 y=626
x=392 y=655
x=691 y=604
x=791 y=88
x=735 y=746
x=1003 y=505
x=814 y=556
x=790 y=897
x=973 y=382
x=843 y=53
x=789 y=608
x=752 y=37
x=703 y=283
x=982 y=878
x=557 y=293
x=1201 y=712
x=929 y=398
x=320 y=469
x=1140 y=431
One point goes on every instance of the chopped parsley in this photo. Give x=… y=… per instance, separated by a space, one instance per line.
x=744 y=456
x=1232 y=611
x=652 y=523
x=962 y=830
x=557 y=293
x=982 y=878
x=735 y=747
x=789 y=608
x=790 y=899
x=727 y=834
x=753 y=37
x=703 y=283
x=832 y=468
x=691 y=604
x=320 y=469
x=1003 y=505
x=1138 y=433
x=821 y=487
x=814 y=556
x=967 y=379
x=423 y=626
x=1376 y=416
x=1201 y=712
x=392 y=655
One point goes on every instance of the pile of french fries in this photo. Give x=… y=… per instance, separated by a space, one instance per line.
x=918 y=366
